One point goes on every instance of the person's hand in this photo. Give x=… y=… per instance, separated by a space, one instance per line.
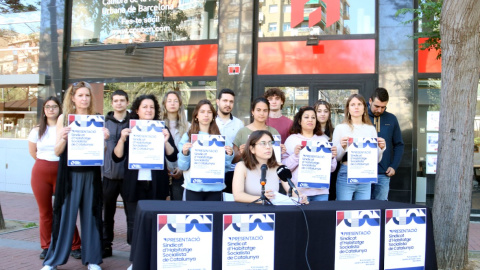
x=270 y=194
x=166 y=134
x=297 y=149
x=124 y=134
x=65 y=132
x=228 y=150
x=283 y=148
x=186 y=148
x=106 y=133
x=344 y=142
x=390 y=172
x=381 y=142
x=241 y=148
x=334 y=152
x=303 y=199
x=176 y=173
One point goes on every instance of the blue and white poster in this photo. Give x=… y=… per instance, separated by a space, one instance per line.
x=146 y=147
x=315 y=164
x=357 y=240
x=86 y=141
x=405 y=238
x=277 y=140
x=362 y=160
x=248 y=241
x=207 y=165
x=184 y=241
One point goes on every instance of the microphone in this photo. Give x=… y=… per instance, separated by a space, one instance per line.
x=285 y=175
x=263 y=177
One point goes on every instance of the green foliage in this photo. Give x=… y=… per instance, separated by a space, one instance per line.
x=428 y=16
x=15 y=6
x=30 y=225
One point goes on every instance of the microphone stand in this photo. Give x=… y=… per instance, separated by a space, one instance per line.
x=263 y=198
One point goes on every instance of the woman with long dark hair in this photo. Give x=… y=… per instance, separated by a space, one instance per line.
x=306 y=128
x=324 y=117
x=258 y=151
x=203 y=122
x=143 y=184
x=78 y=189
x=41 y=142
x=356 y=124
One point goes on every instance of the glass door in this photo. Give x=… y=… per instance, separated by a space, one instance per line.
x=337 y=99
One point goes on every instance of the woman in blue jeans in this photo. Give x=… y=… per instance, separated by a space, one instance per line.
x=356 y=124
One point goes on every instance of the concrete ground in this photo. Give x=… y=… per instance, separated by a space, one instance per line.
x=20 y=249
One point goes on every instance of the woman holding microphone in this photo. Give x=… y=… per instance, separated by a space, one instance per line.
x=356 y=124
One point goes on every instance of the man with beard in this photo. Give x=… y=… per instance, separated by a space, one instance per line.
x=388 y=128
x=228 y=125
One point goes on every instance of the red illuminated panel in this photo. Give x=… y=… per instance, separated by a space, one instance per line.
x=190 y=60
x=329 y=57
x=427 y=60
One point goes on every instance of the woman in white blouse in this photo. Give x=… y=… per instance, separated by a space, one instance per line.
x=44 y=172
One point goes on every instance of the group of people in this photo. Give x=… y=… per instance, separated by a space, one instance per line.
x=90 y=189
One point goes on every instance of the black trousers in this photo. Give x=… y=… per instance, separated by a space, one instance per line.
x=111 y=189
x=203 y=196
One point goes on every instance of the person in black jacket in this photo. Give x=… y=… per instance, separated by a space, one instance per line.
x=113 y=172
x=143 y=184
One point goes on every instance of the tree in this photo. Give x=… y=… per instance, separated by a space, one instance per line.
x=455 y=23
x=15 y=6
x=460 y=42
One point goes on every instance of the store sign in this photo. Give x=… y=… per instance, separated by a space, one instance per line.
x=298 y=8
x=233 y=69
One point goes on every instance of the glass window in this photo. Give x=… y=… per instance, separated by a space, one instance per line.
x=192 y=92
x=286 y=26
x=337 y=99
x=295 y=98
x=18 y=111
x=272 y=27
x=19 y=43
x=355 y=17
x=117 y=21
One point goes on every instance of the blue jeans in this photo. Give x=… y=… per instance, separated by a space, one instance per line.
x=345 y=191
x=318 y=198
x=381 y=188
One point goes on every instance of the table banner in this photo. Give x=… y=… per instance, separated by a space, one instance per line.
x=207 y=165
x=184 y=241
x=277 y=140
x=248 y=241
x=357 y=240
x=405 y=238
x=362 y=160
x=86 y=141
x=146 y=149
x=315 y=164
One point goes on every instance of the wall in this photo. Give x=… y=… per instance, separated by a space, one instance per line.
x=15 y=166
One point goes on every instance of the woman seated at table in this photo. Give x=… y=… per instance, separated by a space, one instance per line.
x=246 y=179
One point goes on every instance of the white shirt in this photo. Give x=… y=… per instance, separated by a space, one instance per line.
x=45 y=144
x=229 y=129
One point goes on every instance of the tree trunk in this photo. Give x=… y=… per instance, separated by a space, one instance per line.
x=459 y=31
x=2 y=221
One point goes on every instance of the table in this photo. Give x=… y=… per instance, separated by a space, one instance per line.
x=290 y=230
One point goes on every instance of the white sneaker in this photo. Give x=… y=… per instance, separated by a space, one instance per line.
x=48 y=267
x=94 y=267
x=130 y=267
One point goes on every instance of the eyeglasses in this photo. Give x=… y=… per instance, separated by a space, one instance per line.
x=53 y=107
x=265 y=144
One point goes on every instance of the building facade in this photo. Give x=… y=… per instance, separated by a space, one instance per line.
x=311 y=49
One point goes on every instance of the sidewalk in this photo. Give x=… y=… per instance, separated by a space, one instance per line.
x=20 y=250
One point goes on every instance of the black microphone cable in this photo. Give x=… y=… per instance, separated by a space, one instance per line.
x=308 y=236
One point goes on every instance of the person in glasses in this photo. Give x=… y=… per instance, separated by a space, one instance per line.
x=41 y=142
x=78 y=189
x=306 y=128
x=246 y=178
x=203 y=123
x=143 y=184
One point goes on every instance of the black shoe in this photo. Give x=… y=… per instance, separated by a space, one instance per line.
x=43 y=254
x=107 y=252
x=77 y=253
